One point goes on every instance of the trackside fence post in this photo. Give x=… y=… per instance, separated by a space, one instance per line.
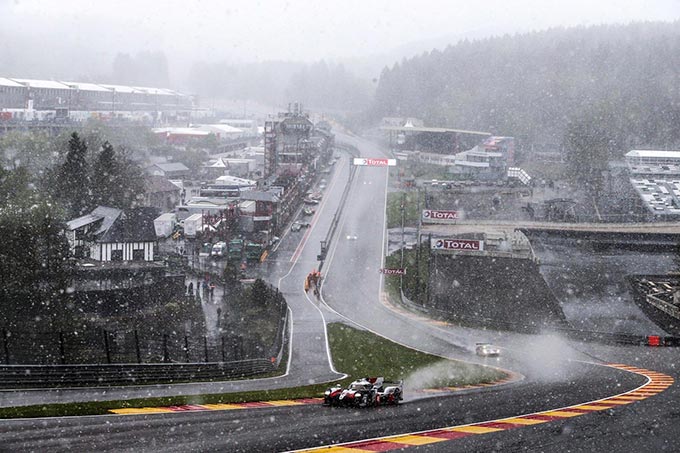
x=5 y=345
x=186 y=348
x=139 y=355
x=62 y=349
x=166 y=353
x=205 y=348
x=106 y=346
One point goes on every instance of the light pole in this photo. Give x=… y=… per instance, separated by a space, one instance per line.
x=403 y=242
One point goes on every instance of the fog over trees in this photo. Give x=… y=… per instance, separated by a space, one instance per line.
x=533 y=86
x=317 y=85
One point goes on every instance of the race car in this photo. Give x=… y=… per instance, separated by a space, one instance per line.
x=487 y=350
x=365 y=392
x=298 y=225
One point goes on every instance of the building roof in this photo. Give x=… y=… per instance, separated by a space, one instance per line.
x=108 y=215
x=135 y=225
x=438 y=130
x=84 y=86
x=255 y=195
x=171 y=166
x=234 y=181
x=121 y=88
x=49 y=84
x=188 y=131
x=87 y=87
x=82 y=221
x=225 y=162
x=468 y=163
x=653 y=153
x=9 y=83
x=158 y=91
x=208 y=202
x=222 y=128
x=157 y=183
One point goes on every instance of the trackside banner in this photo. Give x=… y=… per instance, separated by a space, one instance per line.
x=393 y=271
x=374 y=162
x=432 y=216
x=457 y=245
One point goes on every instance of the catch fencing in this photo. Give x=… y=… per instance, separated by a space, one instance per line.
x=109 y=347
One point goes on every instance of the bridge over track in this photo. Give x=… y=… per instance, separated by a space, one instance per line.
x=488 y=226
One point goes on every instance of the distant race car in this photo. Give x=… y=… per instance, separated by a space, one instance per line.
x=298 y=225
x=487 y=350
x=365 y=392
x=308 y=211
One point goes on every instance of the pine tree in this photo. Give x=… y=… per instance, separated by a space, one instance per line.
x=105 y=176
x=73 y=179
x=116 y=179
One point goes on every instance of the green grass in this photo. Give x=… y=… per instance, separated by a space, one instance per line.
x=355 y=352
x=411 y=212
x=361 y=353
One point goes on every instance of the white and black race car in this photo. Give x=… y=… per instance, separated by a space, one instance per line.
x=487 y=350
x=365 y=392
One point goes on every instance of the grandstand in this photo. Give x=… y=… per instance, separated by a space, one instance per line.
x=31 y=99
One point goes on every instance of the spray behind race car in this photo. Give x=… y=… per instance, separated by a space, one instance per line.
x=365 y=392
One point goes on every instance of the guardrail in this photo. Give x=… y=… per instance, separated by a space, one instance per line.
x=352 y=150
x=42 y=376
x=574 y=334
x=664 y=306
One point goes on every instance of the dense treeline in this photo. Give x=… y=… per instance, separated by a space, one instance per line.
x=532 y=86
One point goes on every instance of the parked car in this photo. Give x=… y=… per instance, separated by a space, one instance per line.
x=219 y=249
x=206 y=249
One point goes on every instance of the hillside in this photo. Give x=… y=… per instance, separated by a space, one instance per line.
x=531 y=86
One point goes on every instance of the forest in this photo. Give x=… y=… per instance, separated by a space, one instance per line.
x=620 y=79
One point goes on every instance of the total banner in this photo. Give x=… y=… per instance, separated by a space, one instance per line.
x=468 y=245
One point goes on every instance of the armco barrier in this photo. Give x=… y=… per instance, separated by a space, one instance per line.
x=336 y=217
x=41 y=376
x=574 y=334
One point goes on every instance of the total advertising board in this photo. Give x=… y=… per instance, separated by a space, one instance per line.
x=457 y=245
x=393 y=271
x=374 y=162
x=434 y=216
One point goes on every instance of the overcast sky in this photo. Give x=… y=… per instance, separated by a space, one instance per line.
x=297 y=29
x=80 y=38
